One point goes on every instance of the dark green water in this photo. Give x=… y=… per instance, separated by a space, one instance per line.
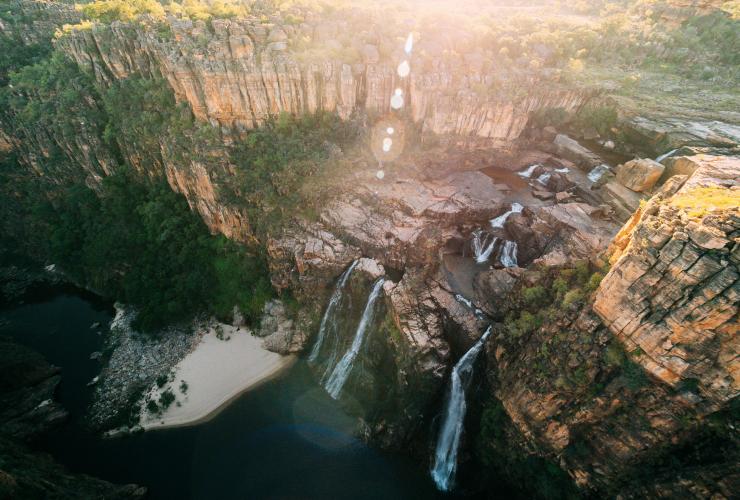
x=286 y=439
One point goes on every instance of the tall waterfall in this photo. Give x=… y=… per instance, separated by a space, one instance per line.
x=499 y=221
x=508 y=254
x=329 y=320
x=445 y=455
x=483 y=245
x=339 y=376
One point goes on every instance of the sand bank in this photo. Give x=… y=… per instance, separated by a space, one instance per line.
x=216 y=372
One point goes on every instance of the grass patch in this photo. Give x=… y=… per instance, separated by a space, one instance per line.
x=701 y=200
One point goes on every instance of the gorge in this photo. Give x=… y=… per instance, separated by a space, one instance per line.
x=462 y=249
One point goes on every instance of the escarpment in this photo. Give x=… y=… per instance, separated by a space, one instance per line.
x=235 y=74
x=598 y=370
x=673 y=290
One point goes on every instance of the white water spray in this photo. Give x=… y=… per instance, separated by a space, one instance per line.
x=499 y=221
x=597 y=172
x=445 y=455
x=508 y=254
x=329 y=319
x=529 y=171
x=666 y=155
x=338 y=377
x=483 y=245
x=544 y=178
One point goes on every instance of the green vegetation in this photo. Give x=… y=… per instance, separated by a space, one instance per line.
x=107 y=11
x=699 y=201
x=141 y=244
x=566 y=288
x=536 y=476
x=166 y=399
x=279 y=163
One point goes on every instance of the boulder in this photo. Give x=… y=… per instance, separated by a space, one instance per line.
x=639 y=175
x=574 y=152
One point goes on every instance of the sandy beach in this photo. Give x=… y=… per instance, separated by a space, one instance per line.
x=215 y=372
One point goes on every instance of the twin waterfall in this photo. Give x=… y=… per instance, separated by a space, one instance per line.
x=335 y=377
x=338 y=377
x=328 y=320
x=484 y=244
x=445 y=455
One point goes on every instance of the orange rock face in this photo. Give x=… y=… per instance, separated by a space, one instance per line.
x=672 y=294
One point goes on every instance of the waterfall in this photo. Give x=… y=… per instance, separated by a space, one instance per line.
x=469 y=304
x=499 y=221
x=339 y=376
x=508 y=254
x=563 y=170
x=529 y=171
x=329 y=320
x=544 y=178
x=596 y=173
x=483 y=245
x=666 y=155
x=445 y=455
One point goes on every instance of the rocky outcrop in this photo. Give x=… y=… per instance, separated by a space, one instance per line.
x=135 y=363
x=673 y=290
x=27 y=386
x=639 y=175
x=27 y=411
x=25 y=474
x=656 y=136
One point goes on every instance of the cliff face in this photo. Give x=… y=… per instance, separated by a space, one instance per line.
x=673 y=291
x=235 y=74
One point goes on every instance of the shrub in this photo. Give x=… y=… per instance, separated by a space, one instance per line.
x=167 y=398
x=534 y=296
x=161 y=380
x=183 y=387
x=559 y=288
x=593 y=282
x=152 y=406
x=572 y=297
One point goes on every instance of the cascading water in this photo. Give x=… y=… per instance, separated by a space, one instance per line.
x=445 y=455
x=338 y=377
x=329 y=320
x=483 y=245
x=544 y=178
x=596 y=173
x=666 y=155
x=499 y=221
x=469 y=304
x=529 y=171
x=508 y=254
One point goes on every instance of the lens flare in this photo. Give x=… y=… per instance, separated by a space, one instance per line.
x=397 y=101
x=380 y=175
x=409 y=44
x=390 y=130
x=387 y=144
x=404 y=69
